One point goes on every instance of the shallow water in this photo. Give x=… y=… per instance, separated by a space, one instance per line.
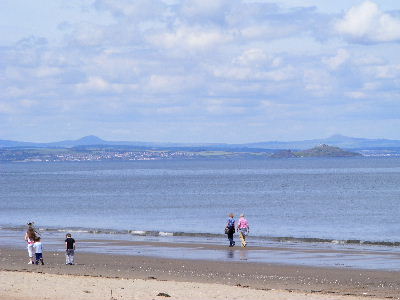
x=305 y=254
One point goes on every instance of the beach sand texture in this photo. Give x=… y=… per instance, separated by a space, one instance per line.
x=24 y=285
x=140 y=277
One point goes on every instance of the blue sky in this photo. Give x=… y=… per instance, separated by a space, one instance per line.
x=230 y=71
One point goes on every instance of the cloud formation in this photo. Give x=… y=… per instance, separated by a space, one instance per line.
x=201 y=71
x=366 y=23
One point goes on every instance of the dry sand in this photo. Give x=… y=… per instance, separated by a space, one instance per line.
x=140 y=277
x=24 y=285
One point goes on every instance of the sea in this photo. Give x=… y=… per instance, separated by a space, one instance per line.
x=335 y=201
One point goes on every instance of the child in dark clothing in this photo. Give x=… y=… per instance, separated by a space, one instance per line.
x=70 y=249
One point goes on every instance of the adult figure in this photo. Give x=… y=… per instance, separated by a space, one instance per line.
x=30 y=237
x=230 y=229
x=243 y=228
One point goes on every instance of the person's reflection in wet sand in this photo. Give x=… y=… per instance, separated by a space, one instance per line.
x=230 y=254
x=243 y=254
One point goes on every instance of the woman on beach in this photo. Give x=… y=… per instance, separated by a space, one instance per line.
x=243 y=228
x=30 y=237
x=230 y=229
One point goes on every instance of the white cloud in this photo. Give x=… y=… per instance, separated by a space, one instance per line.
x=257 y=57
x=204 y=8
x=317 y=82
x=356 y=95
x=88 y=35
x=366 y=23
x=249 y=73
x=47 y=71
x=338 y=60
x=387 y=71
x=274 y=109
x=282 y=74
x=14 y=107
x=96 y=84
x=190 y=38
x=138 y=9
x=252 y=56
x=267 y=31
x=367 y=59
x=169 y=83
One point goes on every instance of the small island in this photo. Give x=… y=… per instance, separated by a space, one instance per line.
x=318 y=151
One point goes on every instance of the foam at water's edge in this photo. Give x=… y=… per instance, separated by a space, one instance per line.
x=285 y=239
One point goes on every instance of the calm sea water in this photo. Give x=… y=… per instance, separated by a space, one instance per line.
x=341 y=199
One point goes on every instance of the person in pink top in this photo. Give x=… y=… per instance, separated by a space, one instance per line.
x=243 y=228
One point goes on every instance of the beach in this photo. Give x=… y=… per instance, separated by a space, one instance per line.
x=320 y=229
x=144 y=277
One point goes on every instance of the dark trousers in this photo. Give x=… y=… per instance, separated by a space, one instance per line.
x=39 y=257
x=230 y=236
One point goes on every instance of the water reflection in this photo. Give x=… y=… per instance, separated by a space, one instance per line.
x=231 y=254
x=243 y=254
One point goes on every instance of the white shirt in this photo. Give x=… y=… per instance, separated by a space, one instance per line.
x=38 y=247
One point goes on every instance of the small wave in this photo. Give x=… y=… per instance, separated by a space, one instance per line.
x=165 y=233
x=137 y=232
x=74 y=230
x=144 y=232
x=282 y=239
x=338 y=242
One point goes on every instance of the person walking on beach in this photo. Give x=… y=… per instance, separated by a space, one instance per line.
x=230 y=229
x=69 y=249
x=30 y=237
x=243 y=228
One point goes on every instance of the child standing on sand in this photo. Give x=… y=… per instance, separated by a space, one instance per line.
x=70 y=249
x=38 y=251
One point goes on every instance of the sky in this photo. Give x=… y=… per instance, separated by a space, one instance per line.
x=201 y=71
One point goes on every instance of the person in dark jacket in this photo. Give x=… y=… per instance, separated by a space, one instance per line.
x=230 y=229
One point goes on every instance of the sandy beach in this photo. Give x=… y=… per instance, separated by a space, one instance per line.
x=25 y=285
x=99 y=276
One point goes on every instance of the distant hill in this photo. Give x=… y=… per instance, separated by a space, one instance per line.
x=326 y=151
x=335 y=140
x=86 y=140
x=318 y=151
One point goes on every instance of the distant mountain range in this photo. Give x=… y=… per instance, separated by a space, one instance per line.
x=335 y=140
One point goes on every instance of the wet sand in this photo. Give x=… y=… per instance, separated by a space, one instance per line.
x=325 y=255
x=175 y=276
